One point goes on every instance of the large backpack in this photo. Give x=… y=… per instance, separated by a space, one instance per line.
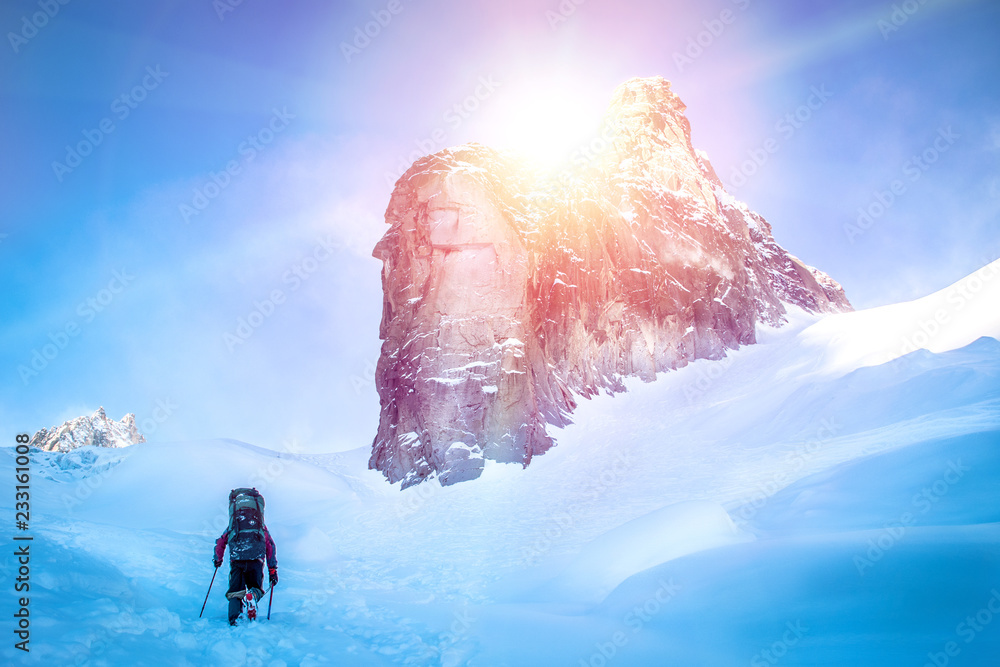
x=246 y=525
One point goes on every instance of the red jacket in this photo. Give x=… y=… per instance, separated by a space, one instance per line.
x=220 y=548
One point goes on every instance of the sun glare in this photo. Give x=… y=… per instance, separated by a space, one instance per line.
x=546 y=124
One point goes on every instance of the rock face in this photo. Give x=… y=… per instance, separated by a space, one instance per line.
x=97 y=430
x=508 y=293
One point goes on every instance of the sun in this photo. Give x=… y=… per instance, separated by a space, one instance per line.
x=546 y=123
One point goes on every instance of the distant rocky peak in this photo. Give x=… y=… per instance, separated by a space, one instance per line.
x=97 y=430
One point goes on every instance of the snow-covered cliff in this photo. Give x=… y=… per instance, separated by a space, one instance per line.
x=507 y=292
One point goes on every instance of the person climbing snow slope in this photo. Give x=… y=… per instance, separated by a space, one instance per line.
x=249 y=544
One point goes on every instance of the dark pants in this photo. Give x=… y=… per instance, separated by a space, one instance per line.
x=243 y=574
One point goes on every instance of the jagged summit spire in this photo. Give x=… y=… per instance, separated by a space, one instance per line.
x=654 y=90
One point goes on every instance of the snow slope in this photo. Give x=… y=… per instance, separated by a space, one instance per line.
x=829 y=496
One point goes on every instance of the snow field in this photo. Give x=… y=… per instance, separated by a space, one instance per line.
x=825 y=497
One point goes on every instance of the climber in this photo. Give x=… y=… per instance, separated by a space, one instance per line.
x=249 y=544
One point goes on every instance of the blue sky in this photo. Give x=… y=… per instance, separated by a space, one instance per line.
x=140 y=303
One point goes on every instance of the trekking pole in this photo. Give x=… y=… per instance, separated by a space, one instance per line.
x=209 y=591
x=269 y=598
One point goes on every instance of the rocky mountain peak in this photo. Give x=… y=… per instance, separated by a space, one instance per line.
x=509 y=293
x=97 y=430
x=647 y=105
